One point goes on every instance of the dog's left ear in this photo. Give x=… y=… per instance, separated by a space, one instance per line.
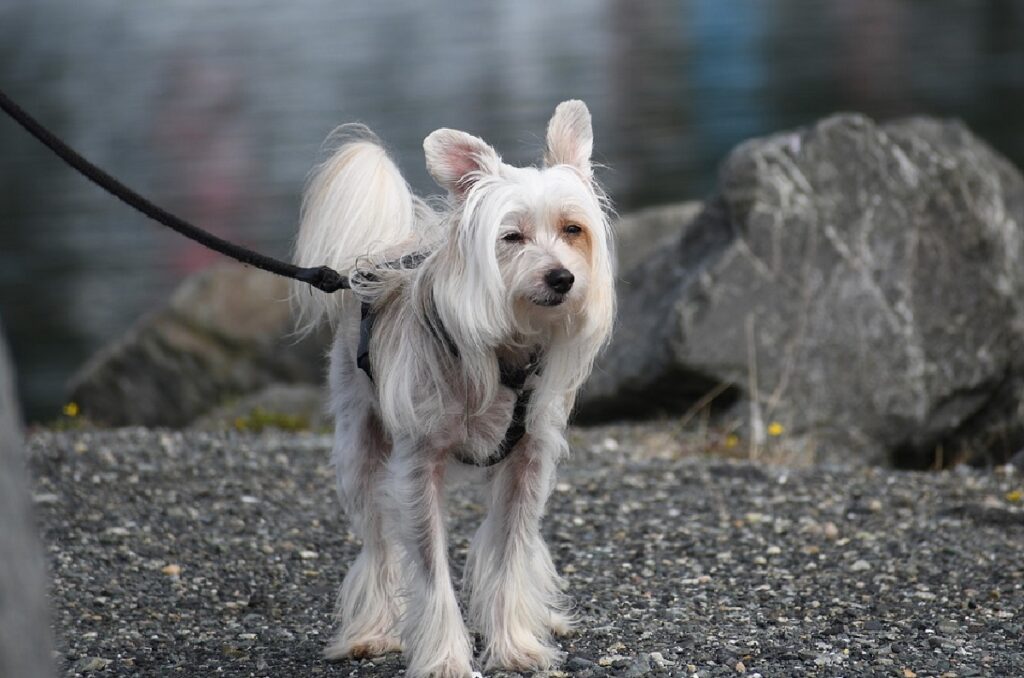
x=570 y=137
x=458 y=160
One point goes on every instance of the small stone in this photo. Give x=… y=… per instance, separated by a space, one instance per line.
x=860 y=566
x=740 y=667
x=873 y=625
x=907 y=673
x=171 y=570
x=578 y=664
x=830 y=530
x=45 y=498
x=87 y=664
x=641 y=666
x=247 y=636
x=773 y=550
x=308 y=555
x=948 y=627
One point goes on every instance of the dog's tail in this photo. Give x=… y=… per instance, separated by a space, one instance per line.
x=356 y=206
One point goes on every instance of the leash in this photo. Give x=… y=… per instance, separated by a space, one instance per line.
x=321 y=277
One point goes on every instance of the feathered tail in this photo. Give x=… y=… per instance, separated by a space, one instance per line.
x=356 y=205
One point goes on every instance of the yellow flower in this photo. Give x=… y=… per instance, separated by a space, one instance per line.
x=1014 y=496
x=732 y=440
x=775 y=429
x=71 y=409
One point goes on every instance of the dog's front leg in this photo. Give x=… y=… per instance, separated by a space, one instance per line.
x=433 y=634
x=515 y=599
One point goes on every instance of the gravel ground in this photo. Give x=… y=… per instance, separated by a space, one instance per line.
x=203 y=554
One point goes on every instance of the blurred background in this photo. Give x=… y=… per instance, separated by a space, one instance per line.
x=217 y=110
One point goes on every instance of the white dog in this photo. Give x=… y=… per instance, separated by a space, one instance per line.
x=480 y=321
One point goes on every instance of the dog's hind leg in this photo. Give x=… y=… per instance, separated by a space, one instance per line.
x=433 y=633
x=515 y=597
x=368 y=602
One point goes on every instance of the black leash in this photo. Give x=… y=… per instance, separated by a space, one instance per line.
x=321 y=277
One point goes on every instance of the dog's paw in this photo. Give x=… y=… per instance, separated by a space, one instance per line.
x=561 y=624
x=529 y=656
x=447 y=667
x=343 y=647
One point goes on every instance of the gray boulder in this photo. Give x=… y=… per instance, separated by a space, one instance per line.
x=859 y=284
x=24 y=629
x=225 y=333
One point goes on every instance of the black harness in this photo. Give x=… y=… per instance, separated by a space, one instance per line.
x=512 y=377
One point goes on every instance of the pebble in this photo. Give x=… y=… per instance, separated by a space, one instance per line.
x=88 y=664
x=860 y=566
x=578 y=664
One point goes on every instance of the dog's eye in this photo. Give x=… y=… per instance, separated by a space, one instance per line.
x=572 y=229
x=513 y=236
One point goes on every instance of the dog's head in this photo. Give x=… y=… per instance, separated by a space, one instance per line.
x=528 y=249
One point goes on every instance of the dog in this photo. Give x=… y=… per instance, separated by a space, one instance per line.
x=471 y=323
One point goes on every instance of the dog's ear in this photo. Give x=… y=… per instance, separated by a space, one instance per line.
x=457 y=160
x=570 y=137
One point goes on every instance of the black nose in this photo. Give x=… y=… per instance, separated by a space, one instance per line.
x=560 y=279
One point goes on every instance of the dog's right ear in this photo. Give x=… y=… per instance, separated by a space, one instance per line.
x=570 y=137
x=457 y=160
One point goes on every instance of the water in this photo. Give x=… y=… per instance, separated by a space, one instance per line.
x=216 y=111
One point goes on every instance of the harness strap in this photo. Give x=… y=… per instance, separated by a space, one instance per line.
x=513 y=378
x=515 y=432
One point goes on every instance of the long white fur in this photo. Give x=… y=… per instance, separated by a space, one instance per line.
x=395 y=436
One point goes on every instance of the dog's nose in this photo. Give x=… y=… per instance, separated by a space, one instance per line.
x=560 y=279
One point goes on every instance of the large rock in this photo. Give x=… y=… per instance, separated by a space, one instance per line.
x=859 y=284
x=24 y=630
x=225 y=333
